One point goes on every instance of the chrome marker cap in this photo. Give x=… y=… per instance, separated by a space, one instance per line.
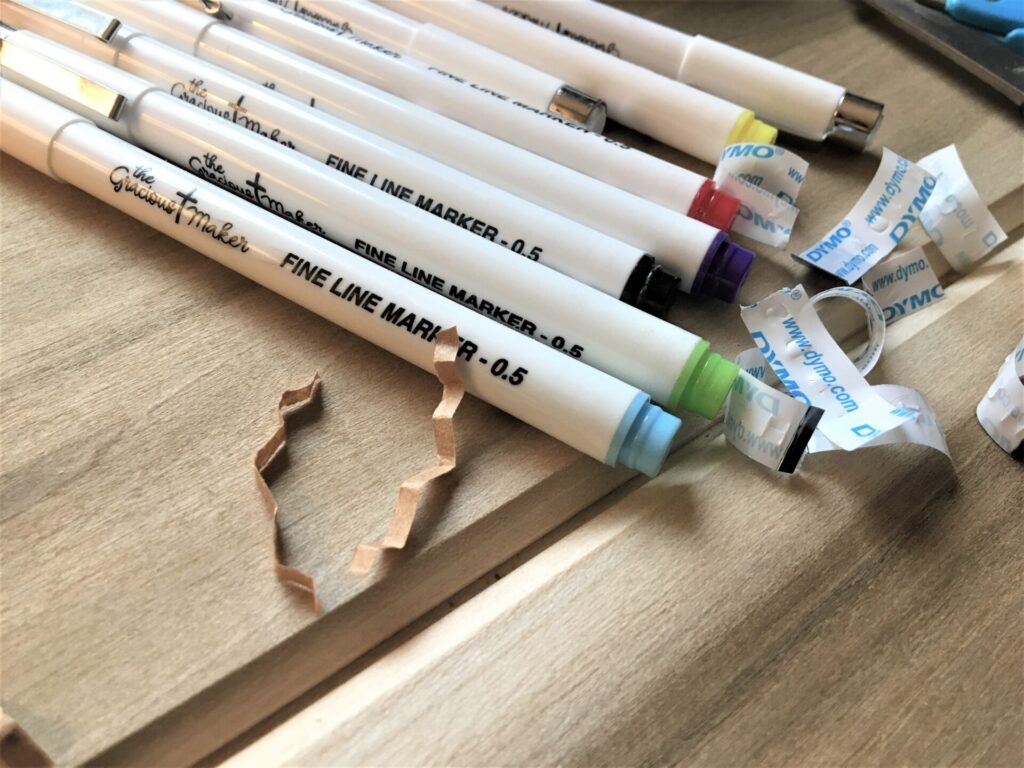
x=856 y=121
x=579 y=107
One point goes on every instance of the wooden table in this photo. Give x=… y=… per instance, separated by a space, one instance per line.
x=548 y=609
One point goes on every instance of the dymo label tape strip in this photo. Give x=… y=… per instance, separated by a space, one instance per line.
x=903 y=284
x=936 y=191
x=1001 y=411
x=794 y=347
x=879 y=221
x=955 y=217
x=767 y=180
x=768 y=426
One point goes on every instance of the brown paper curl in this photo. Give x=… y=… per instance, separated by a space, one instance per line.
x=291 y=400
x=446 y=348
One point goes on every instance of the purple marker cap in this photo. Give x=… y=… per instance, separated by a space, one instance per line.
x=723 y=270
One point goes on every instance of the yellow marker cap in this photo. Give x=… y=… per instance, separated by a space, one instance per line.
x=748 y=129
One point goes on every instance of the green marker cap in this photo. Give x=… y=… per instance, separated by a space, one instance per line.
x=704 y=382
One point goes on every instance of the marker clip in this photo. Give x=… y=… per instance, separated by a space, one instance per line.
x=579 y=107
x=82 y=19
x=213 y=8
x=57 y=78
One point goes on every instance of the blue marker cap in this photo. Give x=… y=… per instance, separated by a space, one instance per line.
x=644 y=437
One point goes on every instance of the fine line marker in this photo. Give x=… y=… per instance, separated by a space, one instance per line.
x=584 y=408
x=453 y=53
x=632 y=218
x=604 y=263
x=795 y=101
x=671 y=112
x=508 y=119
x=675 y=366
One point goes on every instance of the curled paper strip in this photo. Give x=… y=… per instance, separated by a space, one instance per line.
x=922 y=429
x=752 y=361
x=445 y=350
x=766 y=425
x=290 y=399
x=955 y=217
x=903 y=284
x=865 y=360
x=1001 y=411
x=766 y=179
x=878 y=222
x=797 y=348
x=17 y=749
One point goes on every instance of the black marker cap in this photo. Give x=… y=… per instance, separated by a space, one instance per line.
x=660 y=292
x=801 y=438
x=650 y=287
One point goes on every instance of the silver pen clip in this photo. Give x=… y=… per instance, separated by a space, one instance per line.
x=79 y=18
x=60 y=80
x=213 y=8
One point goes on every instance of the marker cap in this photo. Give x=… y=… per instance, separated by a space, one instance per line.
x=660 y=292
x=704 y=383
x=645 y=437
x=650 y=287
x=724 y=269
x=748 y=129
x=714 y=207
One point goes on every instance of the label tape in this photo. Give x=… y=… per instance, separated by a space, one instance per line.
x=922 y=429
x=796 y=348
x=767 y=425
x=1001 y=411
x=767 y=180
x=878 y=222
x=955 y=217
x=903 y=284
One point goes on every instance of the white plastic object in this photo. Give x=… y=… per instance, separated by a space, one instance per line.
x=672 y=112
x=547 y=306
x=792 y=100
x=625 y=193
x=441 y=48
x=584 y=408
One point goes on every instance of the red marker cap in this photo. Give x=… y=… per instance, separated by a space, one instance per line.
x=714 y=207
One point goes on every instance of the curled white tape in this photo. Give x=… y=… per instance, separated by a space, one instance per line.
x=868 y=357
x=767 y=180
x=793 y=344
x=1001 y=411
x=877 y=223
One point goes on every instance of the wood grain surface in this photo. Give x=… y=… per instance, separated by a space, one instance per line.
x=866 y=611
x=142 y=621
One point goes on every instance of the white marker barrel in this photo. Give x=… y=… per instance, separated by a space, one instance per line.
x=646 y=218
x=584 y=408
x=678 y=115
x=605 y=263
x=794 y=101
x=675 y=366
x=453 y=53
